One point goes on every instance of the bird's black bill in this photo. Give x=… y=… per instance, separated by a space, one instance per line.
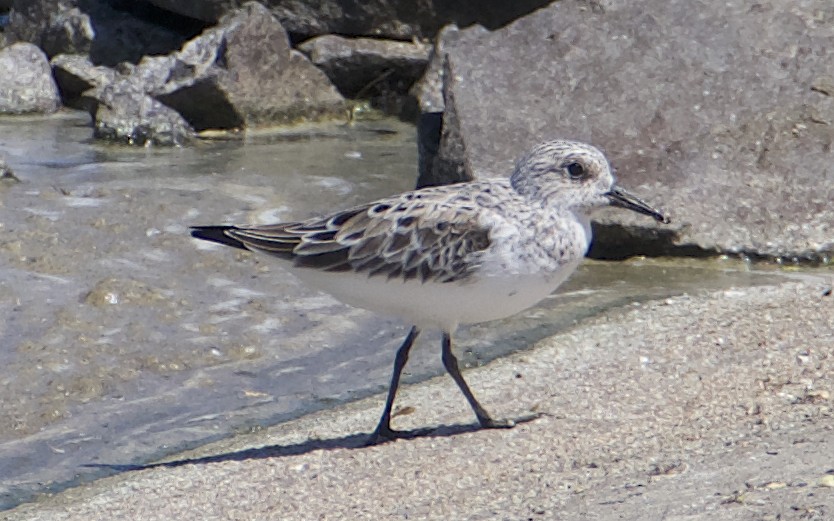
x=623 y=199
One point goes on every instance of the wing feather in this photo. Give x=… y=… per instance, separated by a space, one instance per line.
x=423 y=235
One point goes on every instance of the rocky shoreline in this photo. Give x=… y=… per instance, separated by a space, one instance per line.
x=730 y=127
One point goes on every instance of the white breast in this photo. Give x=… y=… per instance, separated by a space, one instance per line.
x=441 y=305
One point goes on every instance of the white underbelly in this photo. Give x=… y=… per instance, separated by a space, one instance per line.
x=441 y=305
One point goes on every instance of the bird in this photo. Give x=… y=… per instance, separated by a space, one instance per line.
x=444 y=256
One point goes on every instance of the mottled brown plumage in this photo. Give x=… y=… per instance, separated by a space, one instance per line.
x=420 y=235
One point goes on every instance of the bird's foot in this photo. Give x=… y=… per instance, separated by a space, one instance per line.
x=384 y=434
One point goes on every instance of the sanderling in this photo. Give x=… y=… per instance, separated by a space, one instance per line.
x=449 y=255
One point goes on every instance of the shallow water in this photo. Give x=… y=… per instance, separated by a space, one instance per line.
x=125 y=340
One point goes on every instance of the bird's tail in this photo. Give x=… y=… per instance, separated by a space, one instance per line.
x=216 y=234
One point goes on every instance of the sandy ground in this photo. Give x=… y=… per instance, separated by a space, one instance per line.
x=710 y=407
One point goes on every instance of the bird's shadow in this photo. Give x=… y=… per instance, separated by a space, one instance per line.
x=351 y=441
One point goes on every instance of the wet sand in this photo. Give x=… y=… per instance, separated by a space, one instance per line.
x=123 y=337
x=716 y=406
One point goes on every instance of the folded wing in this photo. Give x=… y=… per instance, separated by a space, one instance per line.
x=418 y=235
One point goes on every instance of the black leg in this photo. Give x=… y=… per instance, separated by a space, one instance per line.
x=383 y=429
x=451 y=365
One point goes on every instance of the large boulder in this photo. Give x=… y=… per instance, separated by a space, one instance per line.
x=354 y=64
x=719 y=111
x=242 y=73
x=397 y=19
x=26 y=83
x=369 y=68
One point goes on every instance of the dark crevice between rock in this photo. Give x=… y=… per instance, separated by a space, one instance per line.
x=126 y=31
x=187 y=27
x=429 y=131
x=191 y=102
x=492 y=15
x=417 y=19
x=805 y=259
x=386 y=93
x=441 y=144
x=619 y=242
x=296 y=39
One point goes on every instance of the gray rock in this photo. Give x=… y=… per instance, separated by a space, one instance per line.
x=361 y=67
x=241 y=73
x=124 y=113
x=68 y=31
x=26 y=83
x=396 y=19
x=29 y=19
x=718 y=111
x=429 y=88
x=94 y=27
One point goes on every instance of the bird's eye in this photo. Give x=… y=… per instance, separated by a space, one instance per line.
x=576 y=171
